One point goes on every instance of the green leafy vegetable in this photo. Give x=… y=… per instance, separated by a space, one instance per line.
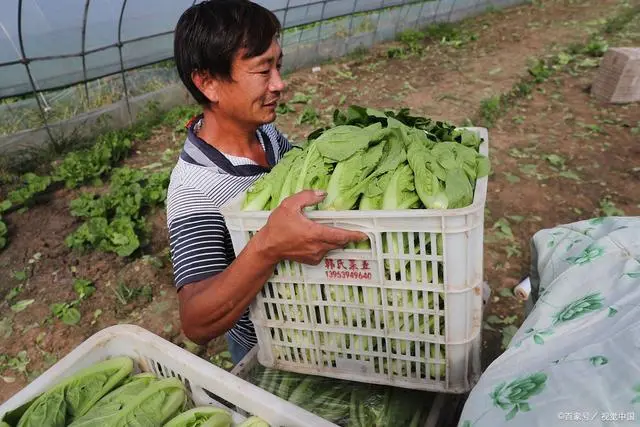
x=205 y=416
x=114 y=401
x=153 y=405
x=83 y=166
x=254 y=422
x=33 y=184
x=400 y=192
x=115 y=221
x=73 y=397
x=21 y=305
x=342 y=142
x=350 y=178
x=66 y=312
x=356 y=159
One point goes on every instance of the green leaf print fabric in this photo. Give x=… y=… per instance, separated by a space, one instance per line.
x=576 y=357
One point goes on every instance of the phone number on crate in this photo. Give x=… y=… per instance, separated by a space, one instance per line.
x=356 y=275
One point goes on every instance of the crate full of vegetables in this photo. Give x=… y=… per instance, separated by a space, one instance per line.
x=126 y=376
x=405 y=307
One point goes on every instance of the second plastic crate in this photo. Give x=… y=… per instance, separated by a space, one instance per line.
x=206 y=383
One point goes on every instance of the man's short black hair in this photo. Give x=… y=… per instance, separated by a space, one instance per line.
x=209 y=35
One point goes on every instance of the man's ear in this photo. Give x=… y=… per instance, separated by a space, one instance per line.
x=206 y=84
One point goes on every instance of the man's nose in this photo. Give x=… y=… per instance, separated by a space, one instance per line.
x=277 y=83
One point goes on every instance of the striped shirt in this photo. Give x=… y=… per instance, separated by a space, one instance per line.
x=202 y=181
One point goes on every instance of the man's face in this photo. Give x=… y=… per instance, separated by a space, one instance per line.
x=253 y=95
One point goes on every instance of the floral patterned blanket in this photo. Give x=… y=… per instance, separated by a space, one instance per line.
x=576 y=358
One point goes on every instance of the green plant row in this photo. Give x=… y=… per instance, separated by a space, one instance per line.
x=115 y=221
x=91 y=165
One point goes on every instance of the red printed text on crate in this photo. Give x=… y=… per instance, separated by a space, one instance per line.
x=347 y=269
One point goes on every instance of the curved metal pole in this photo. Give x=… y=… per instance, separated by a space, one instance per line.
x=322 y=19
x=84 y=55
x=25 y=61
x=420 y=15
x=435 y=15
x=284 y=21
x=399 y=20
x=124 y=80
x=300 y=32
x=347 y=39
x=375 y=31
x=451 y=10
x=283 y=26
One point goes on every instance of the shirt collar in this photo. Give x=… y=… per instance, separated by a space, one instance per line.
x=197 y=151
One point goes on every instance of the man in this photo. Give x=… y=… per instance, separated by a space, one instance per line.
x=228 y=57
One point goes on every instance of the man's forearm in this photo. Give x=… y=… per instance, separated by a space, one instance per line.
x=212 y=306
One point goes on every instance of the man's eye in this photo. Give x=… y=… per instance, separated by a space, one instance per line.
x=265 y=72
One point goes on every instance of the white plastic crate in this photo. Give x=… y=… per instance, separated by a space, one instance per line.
x=317 y=320
x=206 y=383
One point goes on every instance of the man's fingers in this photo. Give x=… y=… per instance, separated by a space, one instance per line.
x=304 y=198
x=340 y=236
x=330 y=235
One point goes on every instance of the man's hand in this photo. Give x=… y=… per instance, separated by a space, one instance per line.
x=290 y=235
